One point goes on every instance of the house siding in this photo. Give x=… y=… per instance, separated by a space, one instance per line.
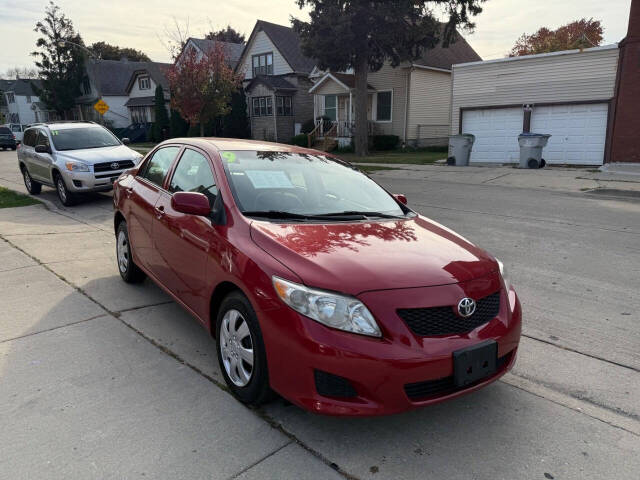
x=395 y=79
x=562 y=78
x=262 y=44
x=330 y=87
x=302 y=100
x=429 y=107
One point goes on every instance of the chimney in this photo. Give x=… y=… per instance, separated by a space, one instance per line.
x=624 y=142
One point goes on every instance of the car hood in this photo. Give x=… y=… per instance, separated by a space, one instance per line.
x=358 y=257
x=99 y=155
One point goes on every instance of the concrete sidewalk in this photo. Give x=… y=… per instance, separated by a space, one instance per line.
x=565 y=179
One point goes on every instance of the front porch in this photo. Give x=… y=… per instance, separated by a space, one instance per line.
x=334 y=109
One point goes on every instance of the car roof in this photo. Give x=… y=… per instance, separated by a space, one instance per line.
x=241 y=144
x=65 y=125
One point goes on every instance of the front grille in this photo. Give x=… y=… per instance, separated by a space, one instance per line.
x=106 y=166
x=444 y=386
x=445 y=321
x=329 y=385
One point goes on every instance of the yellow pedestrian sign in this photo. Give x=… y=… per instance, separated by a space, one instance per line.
x=101 y=107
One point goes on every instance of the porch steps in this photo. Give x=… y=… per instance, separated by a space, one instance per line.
x=326 y=144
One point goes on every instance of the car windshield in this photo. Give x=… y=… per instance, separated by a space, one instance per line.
x=80 y=138
x=304 y=187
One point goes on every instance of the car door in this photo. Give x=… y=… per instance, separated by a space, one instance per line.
x=142 y=197
x=41 y=163
x=183 y=242
x=25 y=153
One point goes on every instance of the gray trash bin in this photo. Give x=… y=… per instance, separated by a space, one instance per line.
x=460 y=149
x=531 y=145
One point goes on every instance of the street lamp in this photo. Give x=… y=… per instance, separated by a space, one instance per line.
x=63 y=43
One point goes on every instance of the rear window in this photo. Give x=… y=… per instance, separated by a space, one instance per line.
x=4 y=130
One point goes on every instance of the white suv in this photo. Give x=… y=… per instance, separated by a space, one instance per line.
x=73 y=157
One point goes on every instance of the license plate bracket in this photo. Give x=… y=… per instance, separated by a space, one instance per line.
x=475 y=363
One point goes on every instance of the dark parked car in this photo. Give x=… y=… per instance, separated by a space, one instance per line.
x=317 y=283
x=7 y=139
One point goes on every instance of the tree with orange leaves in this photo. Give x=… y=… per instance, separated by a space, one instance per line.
x=202 y=84
x=579 y=34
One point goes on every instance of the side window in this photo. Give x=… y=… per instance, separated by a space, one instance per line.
x=29 y=138
x=157 y=167
x=42 y=138
x=193 y=174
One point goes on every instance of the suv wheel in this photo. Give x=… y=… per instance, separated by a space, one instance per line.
x=67 y=198
x=33 y=187
x=129 y=271
x=241 y=351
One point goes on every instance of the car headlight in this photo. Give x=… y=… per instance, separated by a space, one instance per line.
x=76 y=166
x=504 y=274
x=331 y=309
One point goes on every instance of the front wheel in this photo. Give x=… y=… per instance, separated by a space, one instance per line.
x=66 y=197
x=241 y=351
x=33 y=187
x=129 y=271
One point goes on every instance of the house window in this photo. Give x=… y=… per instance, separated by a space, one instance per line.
x=86 y=86
x=262 y=64
x=144 y=83
x=138 y=114
x=331 y=107
x=28 y=98
x=10 y=98
x=283 y=105
x=383 y=109
x=262 y=106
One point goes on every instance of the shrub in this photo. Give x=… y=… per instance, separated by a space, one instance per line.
x=300 y=140
x=385 y=142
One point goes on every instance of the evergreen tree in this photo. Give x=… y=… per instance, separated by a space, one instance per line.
x=236 y=123
x=161 y=117
x=60 y=63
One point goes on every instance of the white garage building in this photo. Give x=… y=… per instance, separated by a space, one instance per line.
x=568 y=93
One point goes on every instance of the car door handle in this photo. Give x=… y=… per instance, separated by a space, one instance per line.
x=159 y=211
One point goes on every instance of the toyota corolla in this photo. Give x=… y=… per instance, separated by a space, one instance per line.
x=316 y=282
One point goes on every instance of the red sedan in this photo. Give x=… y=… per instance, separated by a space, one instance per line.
x=317 y=283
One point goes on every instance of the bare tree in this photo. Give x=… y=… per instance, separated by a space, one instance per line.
x=175 y=37
x=20 y=72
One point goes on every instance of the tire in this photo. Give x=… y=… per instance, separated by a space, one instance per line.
x=33 y=187
x=235 y=340
x=67 y=198
x=14 y=148
x=533 y=163
x=129 y=271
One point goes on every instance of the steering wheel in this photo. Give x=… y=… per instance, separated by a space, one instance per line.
x=276 y=199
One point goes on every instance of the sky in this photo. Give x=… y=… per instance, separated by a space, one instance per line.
x=144 y=25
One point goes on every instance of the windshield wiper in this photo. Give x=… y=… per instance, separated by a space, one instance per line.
x=360 y=213
x=277 y=214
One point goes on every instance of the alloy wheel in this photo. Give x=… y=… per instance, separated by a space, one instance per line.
x=236 y=348
x=27 y=180
x=62 y=190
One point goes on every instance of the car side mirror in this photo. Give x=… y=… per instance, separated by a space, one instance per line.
x=400 y=197
x=191 y=203
x=126 y=140
x=42 y=149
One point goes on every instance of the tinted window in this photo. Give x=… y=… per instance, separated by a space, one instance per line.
x=193 y=174
x=80 y=138
x=302 y=184
x=156 y=168
x=5 y=130
x=42 y=138
x=29 y=138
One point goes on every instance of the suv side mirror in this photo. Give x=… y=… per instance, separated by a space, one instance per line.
x=191 y=203
x=400 y=197
x=42 y=149
x=126 y=140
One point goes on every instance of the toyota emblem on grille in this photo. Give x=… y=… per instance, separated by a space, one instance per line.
x=466 y=307
x=114 y=165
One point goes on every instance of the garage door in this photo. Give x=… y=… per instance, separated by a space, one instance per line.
x=496 y=132
x=578 y=132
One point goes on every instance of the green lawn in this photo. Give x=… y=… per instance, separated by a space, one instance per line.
x=415 y=158
x=9 y=199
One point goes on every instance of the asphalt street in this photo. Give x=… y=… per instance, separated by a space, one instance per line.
x=99 y=379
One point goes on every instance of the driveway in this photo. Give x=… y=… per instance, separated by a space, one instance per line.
x=99 y=379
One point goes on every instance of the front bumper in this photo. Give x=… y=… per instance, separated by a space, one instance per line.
x=79 y=182
x=380 y=369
